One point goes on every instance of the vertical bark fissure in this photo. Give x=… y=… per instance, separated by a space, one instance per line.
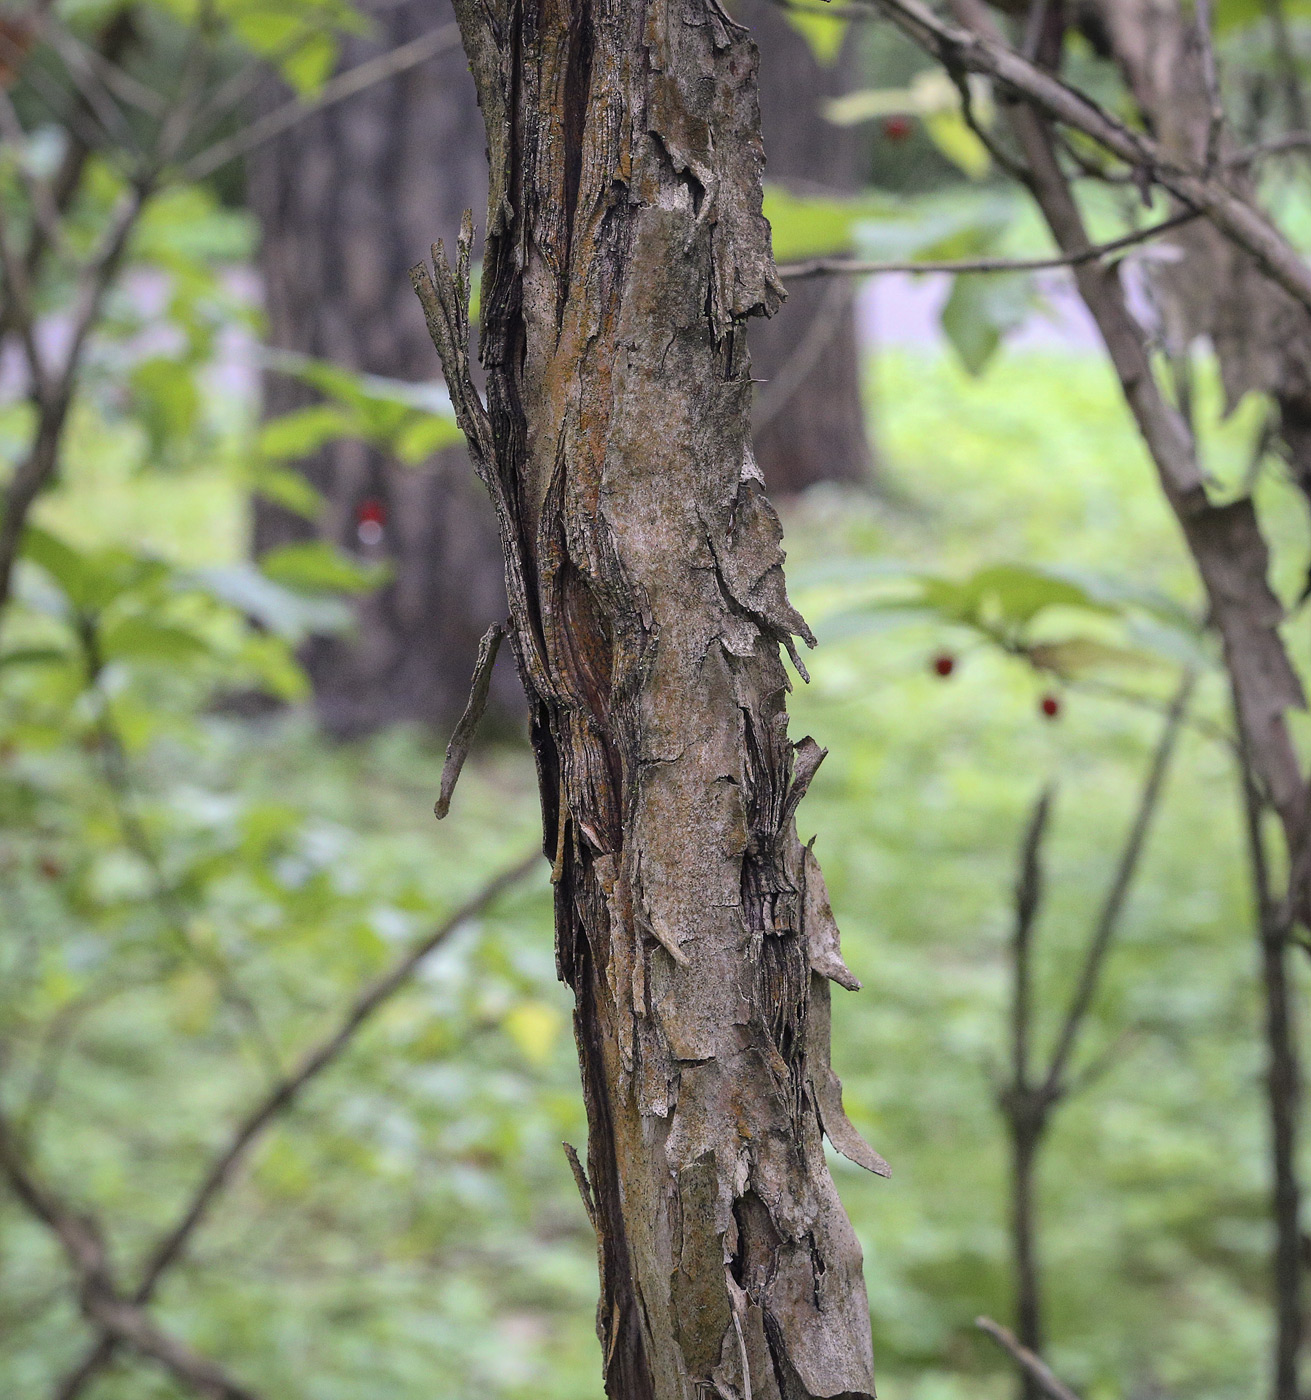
x=626 y=250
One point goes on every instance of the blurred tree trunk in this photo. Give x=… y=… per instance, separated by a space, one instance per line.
x=808 y=420
x=346 y=201
x=624 y=256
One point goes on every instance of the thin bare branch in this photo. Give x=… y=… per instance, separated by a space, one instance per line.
x=88 y=82
x=22 y=310
x=1108 y=920
x=78 y=119
x=1295 y=142
x=1283 y=1098
x=44 y=213
x=1030 y=1364
x=1028 y=900
x=39 y=465
x=115 y=79
x=818 y=267
x=795 y=370
x=1286 y=60
x=171 y=1245
x=978 y=51
x=83 y=1245
x=347 y=84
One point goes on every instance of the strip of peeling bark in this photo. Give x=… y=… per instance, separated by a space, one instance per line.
x=625 y=252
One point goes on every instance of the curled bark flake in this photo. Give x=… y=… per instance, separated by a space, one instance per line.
x=823 y=945
x=827 y=1087
x=461 y=740
x=581 y=1181
x=809 y=756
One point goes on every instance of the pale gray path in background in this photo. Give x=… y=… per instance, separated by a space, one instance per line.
x=897 y=310
x=902 y=309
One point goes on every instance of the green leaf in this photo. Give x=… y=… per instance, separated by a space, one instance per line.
x=311 y=65
x=70 y=569
x=281 y=610
x=950 y=133
x=423 y=434
x=288 y=488
x=299 y=433
x=188 y=223
x=166 y=400
x=868 y=104
x=982 y=308
x=316 y=567
x=34 y=656
x=806 y=226
x=823 y=32
x=410 y=420
x=138 y=638
x=274 y=665
x=1012 y=594
x=1077 y=656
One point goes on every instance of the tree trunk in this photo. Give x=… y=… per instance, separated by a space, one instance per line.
x=346 y=200
x=808 y=419
x=625 y=253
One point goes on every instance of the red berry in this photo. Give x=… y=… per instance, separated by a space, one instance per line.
x=371 y=512
x=944 y=664
x=897 y=128
x=1050 y=706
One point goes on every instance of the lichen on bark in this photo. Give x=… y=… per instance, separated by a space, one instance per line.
x=626 y=252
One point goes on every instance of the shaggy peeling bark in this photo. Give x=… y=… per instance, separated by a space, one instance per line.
x=626 y=251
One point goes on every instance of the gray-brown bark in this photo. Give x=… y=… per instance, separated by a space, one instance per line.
x=345 y=200
x=625 y=253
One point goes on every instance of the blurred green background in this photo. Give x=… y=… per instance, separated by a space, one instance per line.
x=415 y=1216
x=195 y=882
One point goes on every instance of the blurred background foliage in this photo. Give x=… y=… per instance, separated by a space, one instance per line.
x=195 y=882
